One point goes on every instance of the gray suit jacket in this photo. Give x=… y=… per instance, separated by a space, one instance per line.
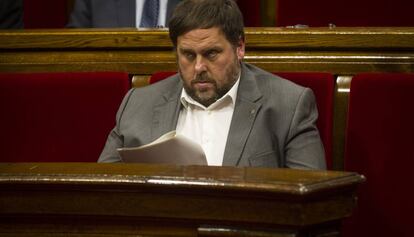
x=107 y=13
x=273 y=123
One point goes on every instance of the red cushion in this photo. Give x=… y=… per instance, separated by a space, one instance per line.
x=322 y=85
x=380 y=145
x=58 y=116
x=158 y=76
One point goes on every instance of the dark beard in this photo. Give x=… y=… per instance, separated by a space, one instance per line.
x=219 y=92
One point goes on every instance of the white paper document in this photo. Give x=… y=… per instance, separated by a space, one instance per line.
x=170 y=148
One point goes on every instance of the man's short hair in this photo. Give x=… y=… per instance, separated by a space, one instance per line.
x=204 y=14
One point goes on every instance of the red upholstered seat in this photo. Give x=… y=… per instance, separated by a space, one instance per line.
x=380 y=145
x=322 y=85
x=58 y=116
x=158 y=76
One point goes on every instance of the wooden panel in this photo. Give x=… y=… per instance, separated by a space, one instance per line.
x=142 y=63
x=339 y=50
x=92 y=199
x=275 y=38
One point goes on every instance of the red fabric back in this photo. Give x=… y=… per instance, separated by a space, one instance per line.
x=322 y=85
x=158 y=76
x=52 y=117
x=251 y=13
x=319 y=13
x=380 y=145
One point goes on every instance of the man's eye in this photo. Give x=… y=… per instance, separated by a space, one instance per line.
x=212 y=54
x=189 y=56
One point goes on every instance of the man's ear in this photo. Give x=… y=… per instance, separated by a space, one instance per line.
x=240 y=50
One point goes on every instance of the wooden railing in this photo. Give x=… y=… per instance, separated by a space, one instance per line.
x=87 y=199
x=340 y=51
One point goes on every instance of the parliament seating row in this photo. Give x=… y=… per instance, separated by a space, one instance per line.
x=58 y=117
x=49 y=113
x=67 y=116
x=25 y=101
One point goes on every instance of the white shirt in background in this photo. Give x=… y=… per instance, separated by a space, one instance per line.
x=210 y=126
x=162 y=14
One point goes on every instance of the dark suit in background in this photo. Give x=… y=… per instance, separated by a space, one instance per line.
x=11 y=14
x=108 y=13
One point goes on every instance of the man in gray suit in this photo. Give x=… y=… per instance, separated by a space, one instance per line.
x=240 y=114
x=110 y=13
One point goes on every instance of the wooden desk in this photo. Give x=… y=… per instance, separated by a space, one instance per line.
x=88 y=199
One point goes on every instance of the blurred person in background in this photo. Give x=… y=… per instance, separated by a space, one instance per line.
x=11 y=14
x=117 y=13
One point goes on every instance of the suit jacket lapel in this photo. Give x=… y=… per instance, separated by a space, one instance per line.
x=167 y=110
x=126 y=13
x=245 y=111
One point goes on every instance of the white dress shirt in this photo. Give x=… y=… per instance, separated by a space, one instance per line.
x=209 y=126
x=162 y=13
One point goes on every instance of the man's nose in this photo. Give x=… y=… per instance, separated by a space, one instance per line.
x=200 y=65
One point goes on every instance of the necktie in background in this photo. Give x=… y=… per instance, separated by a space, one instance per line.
x=150 y=13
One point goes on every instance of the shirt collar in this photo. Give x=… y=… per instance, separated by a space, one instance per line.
x=230 y=96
